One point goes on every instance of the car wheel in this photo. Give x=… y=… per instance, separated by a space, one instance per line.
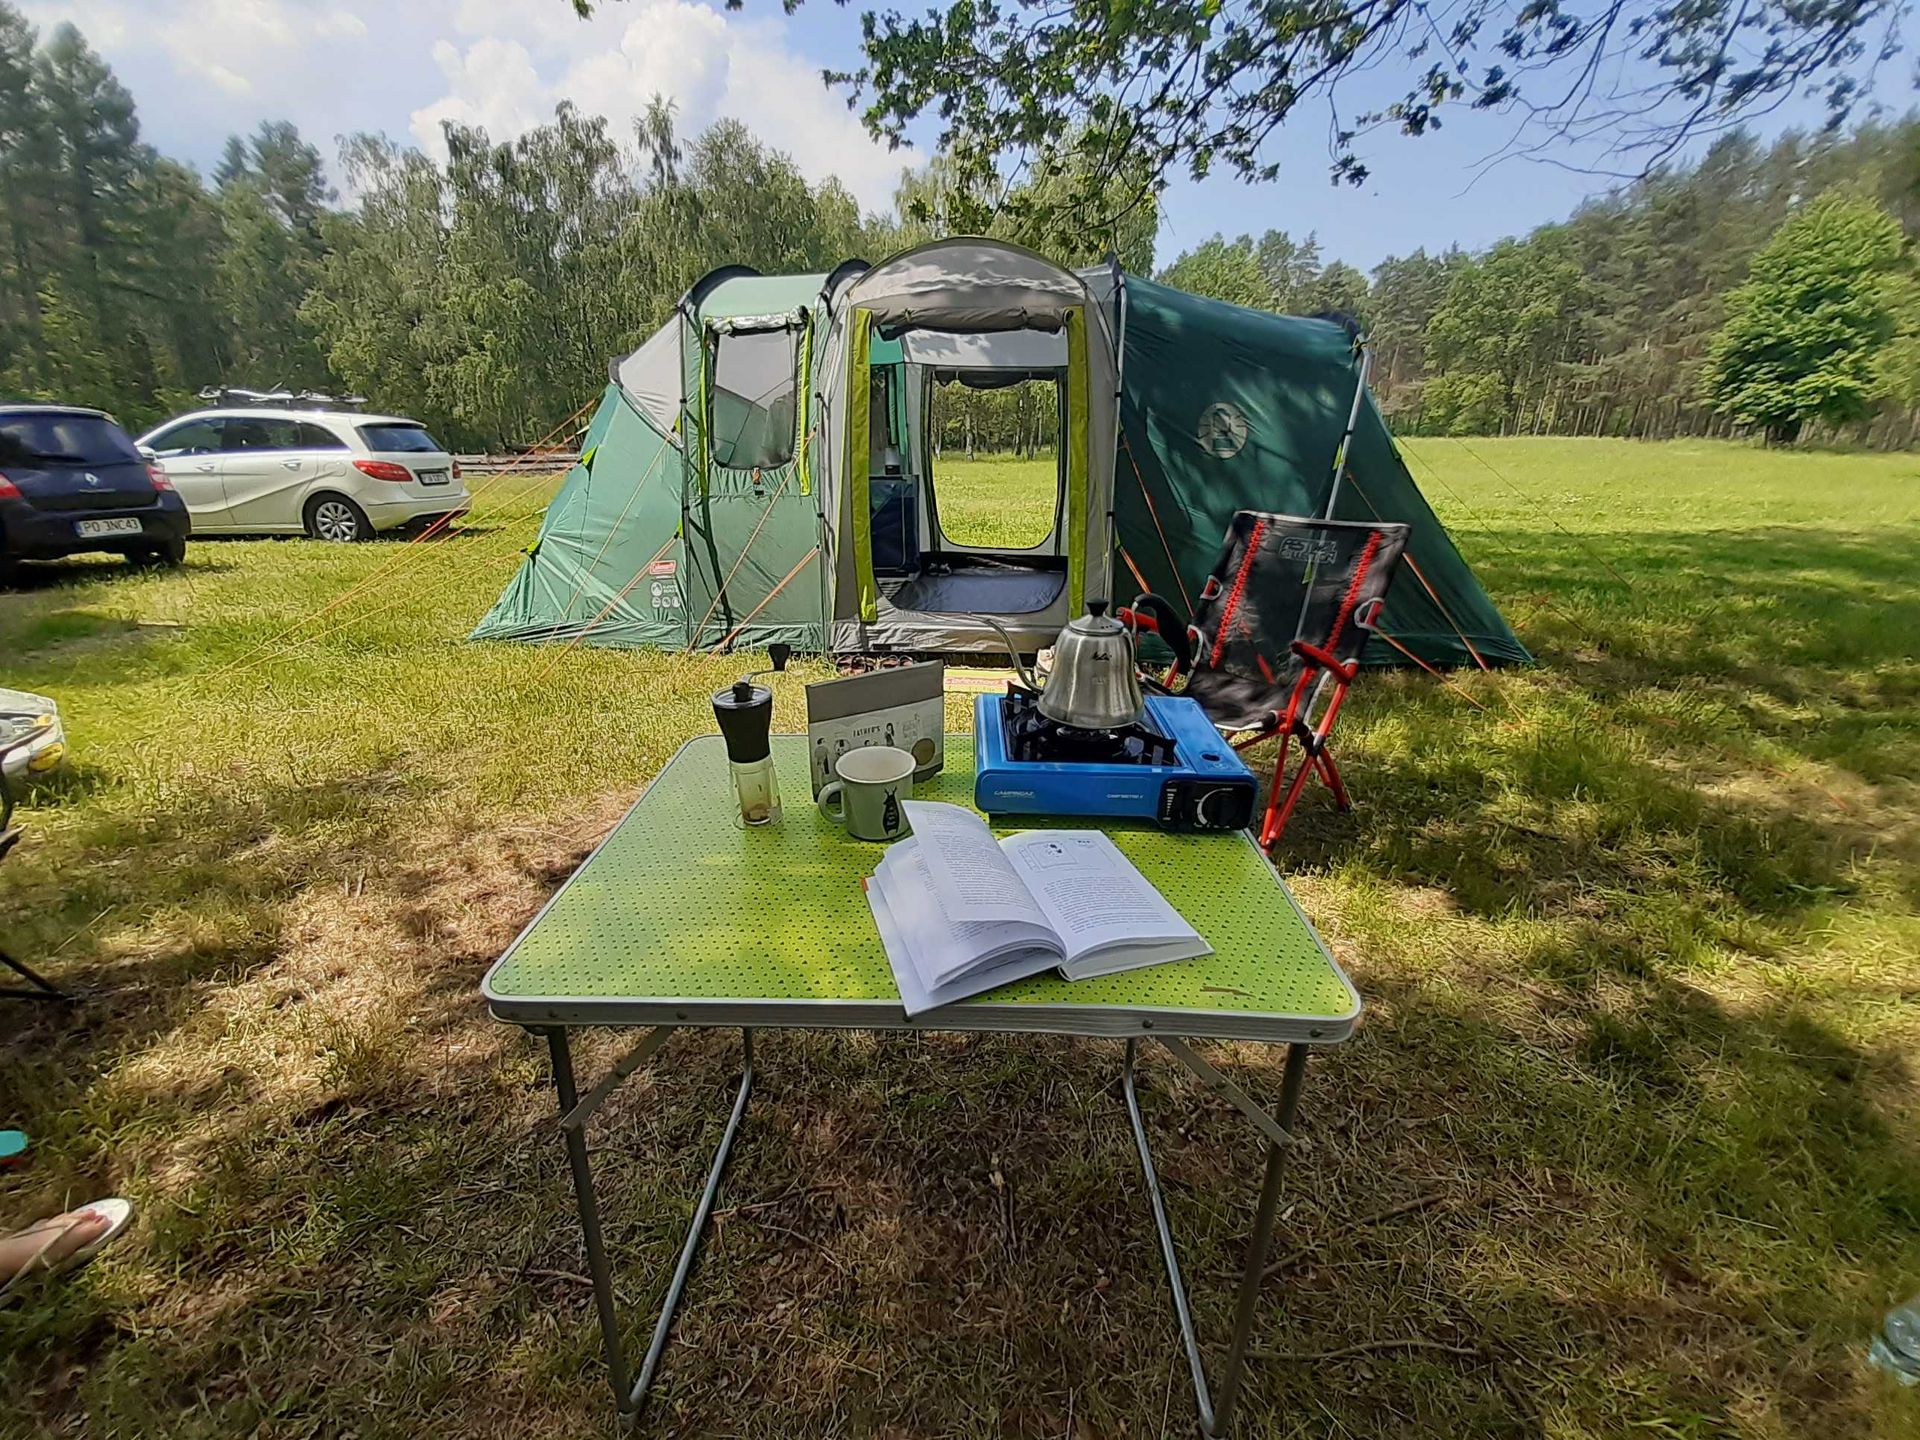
x=171 y=553
x=337 y=519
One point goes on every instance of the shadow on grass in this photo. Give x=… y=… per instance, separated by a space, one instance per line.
x=33 y=576
x=1678 y=752
x=1763 y=607
x=185 y=895
x=1654 y=1184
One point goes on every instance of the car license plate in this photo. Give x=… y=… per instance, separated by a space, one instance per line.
x=94 y=529
x=433 y=477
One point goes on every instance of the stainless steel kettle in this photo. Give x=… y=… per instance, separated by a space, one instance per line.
x=1094 y=684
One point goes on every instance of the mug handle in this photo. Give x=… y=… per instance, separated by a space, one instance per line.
x=833 y=790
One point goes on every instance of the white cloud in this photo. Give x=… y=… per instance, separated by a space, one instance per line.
x=228 y=81
x=491 y=84
x=709 y=64
x=341 y=22
x=204 y=69
x=105 y=23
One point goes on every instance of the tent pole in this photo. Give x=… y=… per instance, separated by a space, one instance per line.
x=1333 y=490
x=1119 y=389
x=1353 y=421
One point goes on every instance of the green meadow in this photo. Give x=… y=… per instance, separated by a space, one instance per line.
x=1628 y=1143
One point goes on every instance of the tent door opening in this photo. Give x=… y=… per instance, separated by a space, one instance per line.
x=994 y=488
x=968 y=471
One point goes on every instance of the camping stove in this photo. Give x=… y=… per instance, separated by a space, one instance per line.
x=1171 y=765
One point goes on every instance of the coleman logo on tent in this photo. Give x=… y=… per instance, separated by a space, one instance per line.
x=1223 y=430
x=661 y=568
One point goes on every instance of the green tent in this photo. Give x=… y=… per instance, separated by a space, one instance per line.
x=691 y=520
x=743 y=460
x=1224 y=408
x=747 y=462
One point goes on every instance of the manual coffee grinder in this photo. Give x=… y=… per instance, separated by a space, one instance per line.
x=745 y=713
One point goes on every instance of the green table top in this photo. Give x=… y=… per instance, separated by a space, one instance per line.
x=682 y=917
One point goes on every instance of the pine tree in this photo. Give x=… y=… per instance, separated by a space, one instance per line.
x=1226 y=270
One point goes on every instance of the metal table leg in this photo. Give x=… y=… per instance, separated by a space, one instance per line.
x=628 y=1398
x=38 y=987
x=1215 y=1415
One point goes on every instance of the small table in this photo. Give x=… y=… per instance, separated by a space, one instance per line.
x=682 y=918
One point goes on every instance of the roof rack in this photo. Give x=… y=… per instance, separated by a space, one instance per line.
x=282 y=399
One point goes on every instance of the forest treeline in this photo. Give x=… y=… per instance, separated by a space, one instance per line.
x=484 y=295
x=1647 y=313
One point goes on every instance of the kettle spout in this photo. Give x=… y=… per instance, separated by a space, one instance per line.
x=1019 y=666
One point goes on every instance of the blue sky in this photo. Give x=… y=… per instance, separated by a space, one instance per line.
x=202 y=69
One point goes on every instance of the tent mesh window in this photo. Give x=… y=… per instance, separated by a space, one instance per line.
x=755 y=389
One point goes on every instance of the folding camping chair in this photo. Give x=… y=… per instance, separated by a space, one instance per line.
x=1277 y=634
x=37 y=986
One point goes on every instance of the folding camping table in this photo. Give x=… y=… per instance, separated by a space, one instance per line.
x=682 y=919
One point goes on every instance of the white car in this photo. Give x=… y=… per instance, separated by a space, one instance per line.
x=331 y=474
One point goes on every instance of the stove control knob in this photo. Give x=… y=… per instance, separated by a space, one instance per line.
x=1211 y=808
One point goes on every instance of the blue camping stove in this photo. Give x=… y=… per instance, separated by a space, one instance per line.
x=1171 y=766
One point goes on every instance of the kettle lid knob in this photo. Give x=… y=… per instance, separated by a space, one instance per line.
x=1096 y=608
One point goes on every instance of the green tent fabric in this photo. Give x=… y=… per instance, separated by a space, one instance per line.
x=613 y=510
x=1225 y=408
x=652 y=539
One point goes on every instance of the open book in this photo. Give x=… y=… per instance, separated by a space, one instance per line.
x=961 y=912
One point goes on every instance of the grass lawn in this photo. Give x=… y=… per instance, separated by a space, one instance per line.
x=1626 y=1145
x=996 y=499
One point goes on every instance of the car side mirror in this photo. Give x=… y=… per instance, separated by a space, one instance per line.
x=148 y=453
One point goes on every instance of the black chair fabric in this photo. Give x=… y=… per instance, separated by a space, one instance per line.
x=1282 y=578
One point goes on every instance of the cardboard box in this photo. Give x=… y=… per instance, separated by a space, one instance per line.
x=904 y=708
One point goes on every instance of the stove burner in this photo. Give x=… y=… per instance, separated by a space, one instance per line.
x=1031 y=736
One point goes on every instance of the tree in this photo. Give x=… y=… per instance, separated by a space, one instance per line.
x=1202 y=84
x=1509 y=320
x=485 y=297
x=273 y=193
x=1079 y=207
x=1339 y=289
x=1058 y=210
x=1802 y=332
x=1290 y=267
x=1897 y=366
x=26 y=167
x=377 y=284
x=1225 y=269
x=1406 y=290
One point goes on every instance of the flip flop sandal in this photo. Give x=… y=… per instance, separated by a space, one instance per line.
x=116 y=1212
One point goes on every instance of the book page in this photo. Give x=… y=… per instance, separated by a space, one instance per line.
x=916 y=996
x=939 y=947
x=970 y=874
x=1090 y=893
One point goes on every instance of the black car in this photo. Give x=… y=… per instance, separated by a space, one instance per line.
x=71 y=481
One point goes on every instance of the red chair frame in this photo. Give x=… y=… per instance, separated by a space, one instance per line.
x=1319 y=688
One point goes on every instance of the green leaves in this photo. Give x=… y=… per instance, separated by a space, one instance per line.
x=486 y=297
x=1802 y=335
x=1203 y=83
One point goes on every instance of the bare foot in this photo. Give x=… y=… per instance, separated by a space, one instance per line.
x=46 y=1244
